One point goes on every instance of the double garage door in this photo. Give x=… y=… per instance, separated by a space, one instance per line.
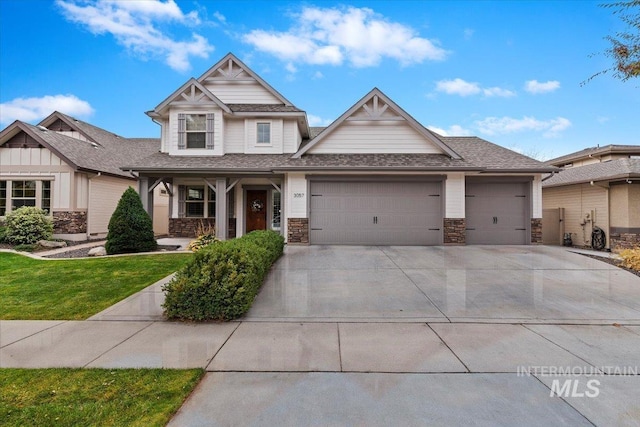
x=411 y=213
x=376 y=213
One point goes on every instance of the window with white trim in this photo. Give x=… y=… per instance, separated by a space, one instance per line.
x=276 y=210
x=15 y=194
x=263 y=133
x=196 y=130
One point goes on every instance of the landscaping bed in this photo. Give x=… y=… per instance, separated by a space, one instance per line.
x=84 y=252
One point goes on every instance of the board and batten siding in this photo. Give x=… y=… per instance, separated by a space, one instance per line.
x=218 y=133
x=104 y=194
x=454 y=195
x=247 y=92
x=577 y=201
x=26 y=163
x=375 y=137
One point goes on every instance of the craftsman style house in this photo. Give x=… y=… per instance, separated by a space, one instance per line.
x=235 y=153
x=71 y=169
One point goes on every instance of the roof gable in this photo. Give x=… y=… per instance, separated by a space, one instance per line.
x=230 y=70
x=192 y=93
x=380 y=113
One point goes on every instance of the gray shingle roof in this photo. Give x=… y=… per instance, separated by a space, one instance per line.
x=605 y=171
x=478 y=154
x=560 y=161
x=263 y=108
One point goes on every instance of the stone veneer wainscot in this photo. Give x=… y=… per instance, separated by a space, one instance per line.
x=298 y=230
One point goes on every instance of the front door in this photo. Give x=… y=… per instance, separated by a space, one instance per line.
x=256 y=210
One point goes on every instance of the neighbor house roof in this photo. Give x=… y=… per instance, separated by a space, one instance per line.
x=103 y=151
x=613 y=170
x=594 y=151
x=477 y=155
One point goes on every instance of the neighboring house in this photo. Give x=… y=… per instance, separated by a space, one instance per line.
x=69 y=168
x=238 y=154
x=599 y=186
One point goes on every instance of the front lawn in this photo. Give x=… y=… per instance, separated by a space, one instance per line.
x=32 y=289
x=93 y=397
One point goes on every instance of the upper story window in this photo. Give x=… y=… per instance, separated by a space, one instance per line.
x=195 y=131
x=264 y=133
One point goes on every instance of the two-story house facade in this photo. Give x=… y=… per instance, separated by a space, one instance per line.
x=235 y=153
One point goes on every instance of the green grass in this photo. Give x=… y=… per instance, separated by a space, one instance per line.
x=93 y=397
x=32 y=289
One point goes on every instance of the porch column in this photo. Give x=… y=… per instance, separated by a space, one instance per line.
x=146 y=195
x=221 y=208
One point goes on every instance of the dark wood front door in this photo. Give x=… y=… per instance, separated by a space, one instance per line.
x=256 y=210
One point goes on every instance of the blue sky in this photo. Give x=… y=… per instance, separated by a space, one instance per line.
x=509 y=72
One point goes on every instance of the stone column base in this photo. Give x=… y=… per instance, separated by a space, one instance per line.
x=187 y=227
x=454 y=231
x=536 y=231
x=298 y=230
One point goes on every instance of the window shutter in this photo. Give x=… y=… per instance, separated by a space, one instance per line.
x=182 y=128
x=209 y=137
x=181 y=200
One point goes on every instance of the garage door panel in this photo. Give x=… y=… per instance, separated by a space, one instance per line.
x=497 y=213
x=375 y=213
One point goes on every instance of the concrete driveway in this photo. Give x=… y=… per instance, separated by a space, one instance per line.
x=386 y=336
x=523 y=284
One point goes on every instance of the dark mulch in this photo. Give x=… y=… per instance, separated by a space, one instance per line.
x=615 y=262
x=80 y=253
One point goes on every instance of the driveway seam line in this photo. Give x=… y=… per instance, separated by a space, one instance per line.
x=121 y=342
x=565 y=401
x=558 y=345
x=339 y=347
x=450 y=349
x=223 y=344
x=35 y=333
x=414 y=284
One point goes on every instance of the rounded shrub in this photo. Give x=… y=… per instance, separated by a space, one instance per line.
x=222 y=280
x=27 y=225
x=130 y=227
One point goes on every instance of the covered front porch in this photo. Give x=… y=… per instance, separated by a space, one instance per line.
x=233 y=204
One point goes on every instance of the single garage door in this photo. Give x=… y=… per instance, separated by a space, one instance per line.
x=497 y=213
x=376 y=213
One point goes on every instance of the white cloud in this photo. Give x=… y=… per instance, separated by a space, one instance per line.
x=332 y=36
x=462 y=87
x=132 y=25
x=458 y=87
x=35 y=109
x=468 y=33
x=498 y=91
x=536 y=87
x=318 y=75
x=503 y=125
x=318 y=121
x=453 y=130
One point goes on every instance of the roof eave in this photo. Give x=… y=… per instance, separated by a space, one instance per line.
x=620 y=177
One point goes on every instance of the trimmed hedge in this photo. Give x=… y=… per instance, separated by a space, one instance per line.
x=222 y=280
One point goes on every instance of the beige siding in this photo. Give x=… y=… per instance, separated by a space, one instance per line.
x=375 y=137
x=634 y=204
x=234 y=136
x=160 y=211
x=82 y=191
x=578 y=201
x=296 y=196
x=172 y=133
x=250 y=143
x=248 y=92
x=105 y=192
x=454 y=196
x=40 y=162
x=625 y=205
